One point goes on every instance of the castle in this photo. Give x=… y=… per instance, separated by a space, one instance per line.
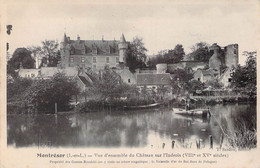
x=93 y=54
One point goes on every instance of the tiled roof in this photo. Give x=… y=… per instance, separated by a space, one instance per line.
x=102 y=46
x=47 y=72
x=153 y=79
x=85 y=81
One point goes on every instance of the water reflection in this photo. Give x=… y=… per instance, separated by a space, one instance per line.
x=149 y=128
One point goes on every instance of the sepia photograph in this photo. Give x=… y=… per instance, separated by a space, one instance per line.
x=137 y=75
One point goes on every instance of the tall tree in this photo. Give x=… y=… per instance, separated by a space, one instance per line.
x=201 y=52
x=136 y=55
x=48 y=52
x=175 y=55
x=21 y=57
x=109 y=87
x=245 y=76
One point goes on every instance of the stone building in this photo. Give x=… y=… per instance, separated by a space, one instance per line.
x=94 y=54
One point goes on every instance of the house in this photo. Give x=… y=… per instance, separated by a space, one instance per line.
x=29 y=73
x=226 y=77
x=155 y=83
x=205 y=75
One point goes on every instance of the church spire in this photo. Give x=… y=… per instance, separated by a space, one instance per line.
x=122 y=40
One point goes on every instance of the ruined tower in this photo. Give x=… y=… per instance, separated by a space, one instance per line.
x=231 y=55
x=214 y=61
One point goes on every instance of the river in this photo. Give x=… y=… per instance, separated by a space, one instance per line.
x=155 y=128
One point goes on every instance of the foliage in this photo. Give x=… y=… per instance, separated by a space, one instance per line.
x=201 y=52
x=214 y=84
x=195 y=85
x=110 y=86
x=43 y=94
x=175 y=55
x=21 y=56
x=136 y=55
x=49 y=52
x=167 y=56
x=17 y=87
x=180 y=80
x=245 y=76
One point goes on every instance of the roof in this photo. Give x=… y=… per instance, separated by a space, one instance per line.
x=100 y=46
x=47 y=72
x=85 y=81
x=70 y=71
x=122 y=39
x=208 y=72
x=153 y=79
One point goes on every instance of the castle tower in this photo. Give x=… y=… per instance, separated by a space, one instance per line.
x=122 y=46
x=231 y=55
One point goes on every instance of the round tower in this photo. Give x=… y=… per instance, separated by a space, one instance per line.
x=64 y=51
x=122 y=46
x=161 y=68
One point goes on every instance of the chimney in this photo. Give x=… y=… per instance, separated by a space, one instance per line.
x=103 y=38
x=68 y=39
x=78 y=38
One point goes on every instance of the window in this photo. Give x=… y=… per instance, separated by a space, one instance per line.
x=129 y=80
x=32 y=75
x=117 y=59
x=198 y=79
x=235 y=51
x=82 y=59
x=229 y=79
x=94 y=60
x=94 y=66
x=71 y=59
x=107 y=59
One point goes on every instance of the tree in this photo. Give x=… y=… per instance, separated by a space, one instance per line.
x=49 y=52
x=175 y=55
x=180 y=80
x=110 y=86
x=17 y=87
x=245 y=76
x=43 y=94
x=21 y=57
x=136 y=55
x=201 y=52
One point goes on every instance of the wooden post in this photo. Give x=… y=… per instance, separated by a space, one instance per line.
x=221 y=140
x=198 y=144
x=173 y=142
x=163 y=145
x=211 y=141
x=56 y=108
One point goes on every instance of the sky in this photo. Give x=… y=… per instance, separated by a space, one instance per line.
x=161 y=24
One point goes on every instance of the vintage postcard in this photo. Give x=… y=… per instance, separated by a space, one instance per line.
x=129 y=83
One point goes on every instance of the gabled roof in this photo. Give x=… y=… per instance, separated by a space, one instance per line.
x=153 y=79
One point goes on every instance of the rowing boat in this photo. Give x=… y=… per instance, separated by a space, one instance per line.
x=193 y=112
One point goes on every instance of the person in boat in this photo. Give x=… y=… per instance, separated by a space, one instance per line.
x=187 y=106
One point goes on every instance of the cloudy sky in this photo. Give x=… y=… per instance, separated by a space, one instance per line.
x=161 y=24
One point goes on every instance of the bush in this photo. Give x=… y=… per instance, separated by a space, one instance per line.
x=43 y=94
